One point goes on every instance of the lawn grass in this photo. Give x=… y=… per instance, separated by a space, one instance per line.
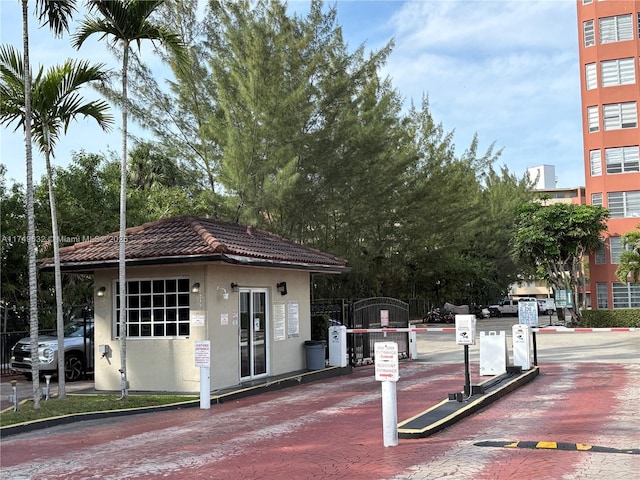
x=56 y=407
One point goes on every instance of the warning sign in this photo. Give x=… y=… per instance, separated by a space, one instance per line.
x=203 y=353
x=386 y=362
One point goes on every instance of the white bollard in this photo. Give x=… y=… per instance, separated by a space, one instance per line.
x=389 y=414
x=205 y=388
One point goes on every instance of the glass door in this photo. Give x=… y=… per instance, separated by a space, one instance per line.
x=253 y=333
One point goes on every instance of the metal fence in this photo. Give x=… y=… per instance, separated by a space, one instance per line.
x=367 y=313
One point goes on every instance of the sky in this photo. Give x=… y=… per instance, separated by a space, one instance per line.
x=507 y=71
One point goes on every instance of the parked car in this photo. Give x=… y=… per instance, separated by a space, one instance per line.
x=78 y=352
x=509 y=306
x=546 y=306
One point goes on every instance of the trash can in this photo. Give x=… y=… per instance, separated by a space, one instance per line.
x=315 y=353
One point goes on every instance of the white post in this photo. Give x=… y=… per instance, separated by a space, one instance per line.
x=389 y=414
x=205 y=388
x=413 y=344
x=387 y=373
x=203 y=360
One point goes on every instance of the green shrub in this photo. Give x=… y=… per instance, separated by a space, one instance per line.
x=628 y=317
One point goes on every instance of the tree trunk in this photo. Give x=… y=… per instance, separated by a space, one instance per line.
x=62 y=393
x=31 y=225
x=124 y=389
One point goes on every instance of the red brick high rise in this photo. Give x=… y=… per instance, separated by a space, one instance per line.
x=609 y=45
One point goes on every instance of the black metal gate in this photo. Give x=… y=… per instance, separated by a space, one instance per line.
x=365 y=314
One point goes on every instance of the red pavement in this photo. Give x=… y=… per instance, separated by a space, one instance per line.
x=333 y=429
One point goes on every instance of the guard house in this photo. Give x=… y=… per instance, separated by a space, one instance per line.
x=189 y=279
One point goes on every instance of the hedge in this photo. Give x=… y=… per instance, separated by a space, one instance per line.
x=628 y=317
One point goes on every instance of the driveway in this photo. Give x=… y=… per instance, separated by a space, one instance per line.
x=333 y=428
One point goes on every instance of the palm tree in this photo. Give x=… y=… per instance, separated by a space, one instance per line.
x=55 y=102
x=125 y=22
x=57 y=14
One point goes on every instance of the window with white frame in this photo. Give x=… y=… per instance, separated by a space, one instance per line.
x=618 y=72
x=596 y=199
x=156 y=308
x=622 y=159
x=587 y=2
x=595 y=160
x=615 y=248
x=624 y=204
x=589 y=33
x=593 y=120
x=591 y=76
x=601 y=294
x=626 y=295
x=617 y=116
x=616 y=29
x=600 y=254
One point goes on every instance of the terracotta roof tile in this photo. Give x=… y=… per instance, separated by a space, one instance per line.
x=181 y=237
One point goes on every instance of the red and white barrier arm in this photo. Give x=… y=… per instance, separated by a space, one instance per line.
x=581 y=330
x=401 y=330
x=453 y=329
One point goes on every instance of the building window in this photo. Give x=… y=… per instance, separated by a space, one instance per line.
x=620 y=115
x=589 y=33
x=595 y=160
x=592 y=119
x=618 y=72
x=600 y=255
x=626 y=295
x=587 y=2
x=596 y=199
x=155 y=308
x=624 y=204
x=622 y=159
x=591 y=76
x=615 y=247
x=601 y=294
x=616 y=29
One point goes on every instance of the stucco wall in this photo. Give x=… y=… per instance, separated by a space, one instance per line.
x=169 y=364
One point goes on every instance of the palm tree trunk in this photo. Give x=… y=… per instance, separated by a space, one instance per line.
x=62 y=393
x=123 y=227
x=31 y=224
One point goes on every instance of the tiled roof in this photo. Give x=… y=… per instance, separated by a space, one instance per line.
x=185 y=237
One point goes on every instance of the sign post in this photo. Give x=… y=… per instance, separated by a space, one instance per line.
x=466 y=335
x=387 y=372
x=203 y=360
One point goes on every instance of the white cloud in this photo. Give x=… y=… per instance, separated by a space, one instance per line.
x=507 y=70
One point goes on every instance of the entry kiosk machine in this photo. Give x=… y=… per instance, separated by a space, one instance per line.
x=524 y=341
x=466 y=329
x=522 y=351
x=465 y=335
x=338 y=346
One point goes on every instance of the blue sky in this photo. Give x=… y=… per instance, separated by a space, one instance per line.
x=506 y=70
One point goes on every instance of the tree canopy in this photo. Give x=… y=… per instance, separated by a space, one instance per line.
x=275 y=121
x=554 y=239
